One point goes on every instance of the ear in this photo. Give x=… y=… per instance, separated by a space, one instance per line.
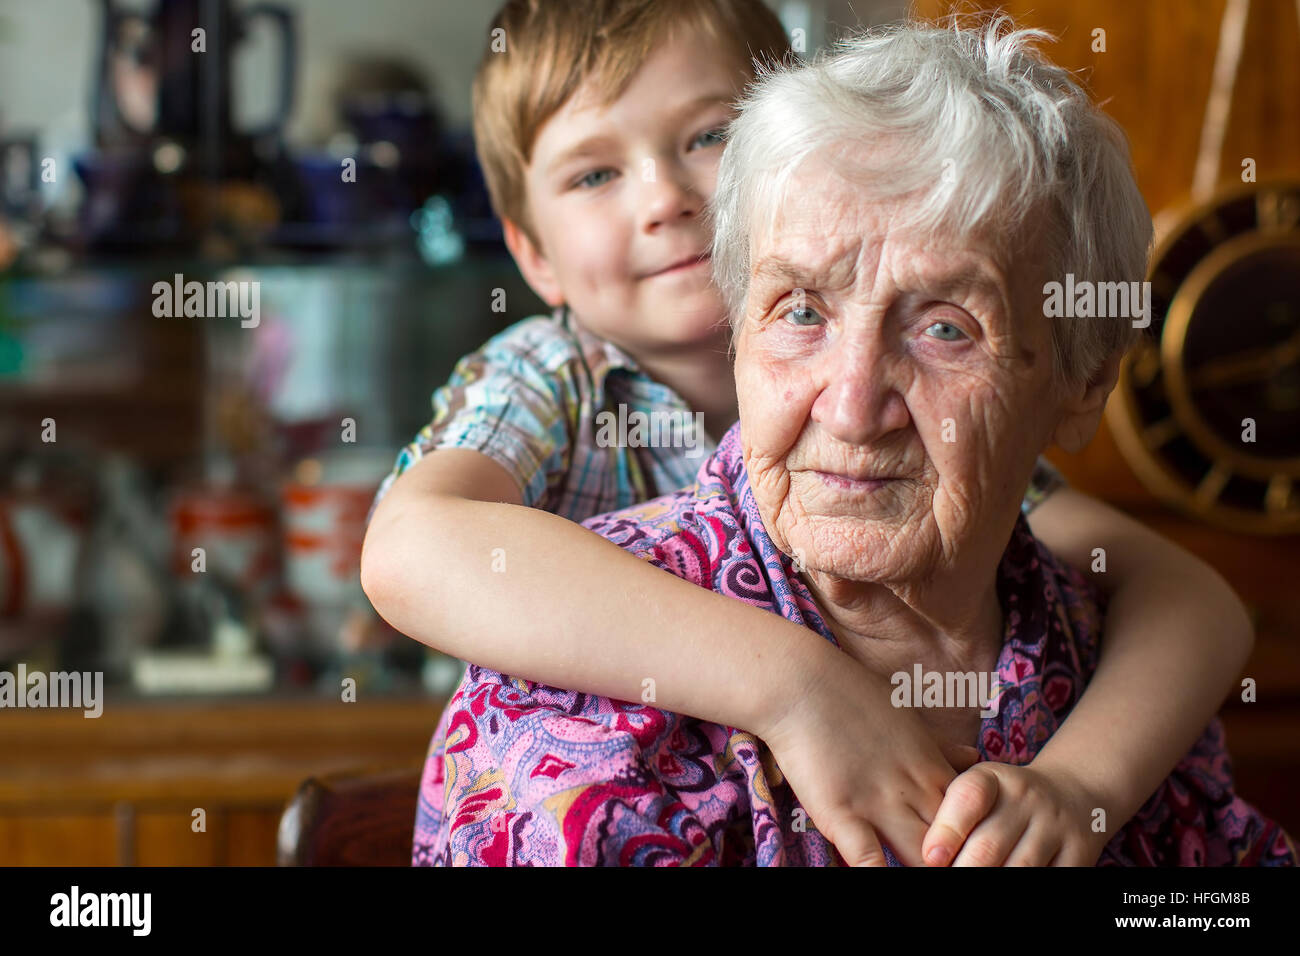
x=1081 y=413
x=536 y=270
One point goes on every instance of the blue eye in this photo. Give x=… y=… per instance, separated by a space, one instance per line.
x=712 y=137
x=945 y=331
x=586 y=180
x=803 y=316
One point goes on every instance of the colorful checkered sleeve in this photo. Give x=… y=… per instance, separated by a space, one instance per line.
x=509 y=402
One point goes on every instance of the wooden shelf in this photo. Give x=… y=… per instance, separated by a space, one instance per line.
x=122 y=788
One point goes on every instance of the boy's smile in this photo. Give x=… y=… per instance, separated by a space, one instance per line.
x=688 y=265
x=616 y=195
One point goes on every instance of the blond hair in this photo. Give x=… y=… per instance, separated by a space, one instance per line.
x=553 y=47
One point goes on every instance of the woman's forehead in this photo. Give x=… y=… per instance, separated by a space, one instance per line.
x=856 y=192
x=838 y=257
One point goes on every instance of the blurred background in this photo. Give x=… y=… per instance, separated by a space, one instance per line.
x=182 y=499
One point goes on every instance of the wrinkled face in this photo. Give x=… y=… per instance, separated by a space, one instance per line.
x=616 y=194
x=891 y=412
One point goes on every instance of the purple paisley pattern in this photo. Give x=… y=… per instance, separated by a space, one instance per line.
x=524 y=774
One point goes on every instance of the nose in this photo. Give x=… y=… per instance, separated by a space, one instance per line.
x=667 y=194
x=860 y=403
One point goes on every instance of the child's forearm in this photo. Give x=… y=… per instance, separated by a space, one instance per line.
x=1175 y=640
x=570 y=609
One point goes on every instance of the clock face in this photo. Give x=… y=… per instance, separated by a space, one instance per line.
x=1207 y=410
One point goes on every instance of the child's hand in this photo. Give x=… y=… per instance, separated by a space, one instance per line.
x=998 y=814
x=864 y=771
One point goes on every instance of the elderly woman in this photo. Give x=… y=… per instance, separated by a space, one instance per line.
x=886 y=220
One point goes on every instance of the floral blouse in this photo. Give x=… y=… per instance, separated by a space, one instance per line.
x=524 y=774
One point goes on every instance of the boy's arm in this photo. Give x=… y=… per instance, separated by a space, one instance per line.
x=576 y=611
x=1176 y=637
x=427 y=566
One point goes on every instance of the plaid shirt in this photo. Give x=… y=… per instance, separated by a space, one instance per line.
x=531 y=400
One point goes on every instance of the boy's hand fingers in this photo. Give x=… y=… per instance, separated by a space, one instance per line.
x=961 y=756
x=991 y=841
x=1037 y=846
x=968 y=800
x=1075 y=854
x=856 y=841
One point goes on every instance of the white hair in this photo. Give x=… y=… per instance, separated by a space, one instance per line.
x=976 y=130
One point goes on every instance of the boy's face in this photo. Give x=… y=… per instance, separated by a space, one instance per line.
x=616 y=196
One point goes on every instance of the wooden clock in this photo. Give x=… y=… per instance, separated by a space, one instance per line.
x=1207 y=409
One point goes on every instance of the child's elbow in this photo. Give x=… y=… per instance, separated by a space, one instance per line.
x=1236 y=624
x=379 y=573
x=1244 y=629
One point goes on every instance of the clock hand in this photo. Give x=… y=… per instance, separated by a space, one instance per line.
x=1245 y=367
x=1289 y=350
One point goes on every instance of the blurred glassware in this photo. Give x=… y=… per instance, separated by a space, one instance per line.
x=127 y=205
x=440 y=242
x=386 y=154
x=169 y=170
x=44 y=517
x=322 y=352
x=123 y=577
x=20 y=177
x=152 y=85
x=8 y=253
x=325 y=505
x=226 y=660
x=390 y=106
x=20 y=196
x=326 y=210
x=235 y=528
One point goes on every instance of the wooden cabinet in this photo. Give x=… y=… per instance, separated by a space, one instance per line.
x=122 y=789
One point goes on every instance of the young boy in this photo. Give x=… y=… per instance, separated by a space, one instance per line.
x=599 y=128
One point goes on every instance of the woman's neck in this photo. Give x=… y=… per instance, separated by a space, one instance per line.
x=941 y=626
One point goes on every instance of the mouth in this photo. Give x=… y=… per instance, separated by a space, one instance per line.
x=852 y=483
x=681 y=266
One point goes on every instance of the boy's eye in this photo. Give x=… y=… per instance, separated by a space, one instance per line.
x=711 y=137
x=945 y=331
x=802 y=316
x=597 y=177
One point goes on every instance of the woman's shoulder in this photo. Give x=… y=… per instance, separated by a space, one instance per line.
x=688 y=532
x=710 y=533
x=683 y=533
